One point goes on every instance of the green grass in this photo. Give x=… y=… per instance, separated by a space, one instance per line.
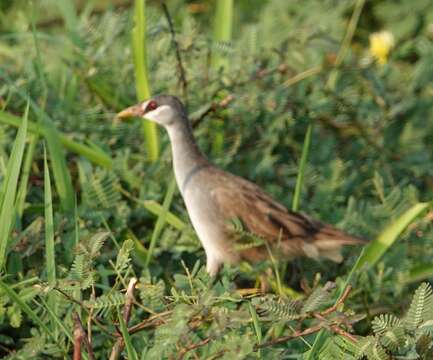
x=377 y=248
x=301 y=171
x=142 y=84
x=95 y=156
x=222 y=34
x=162 y=218
x=9 y=187
x=312 y=117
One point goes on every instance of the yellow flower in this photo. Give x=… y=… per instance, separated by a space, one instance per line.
x=381 y=44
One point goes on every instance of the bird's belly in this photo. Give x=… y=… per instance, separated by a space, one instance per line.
x=210 y=230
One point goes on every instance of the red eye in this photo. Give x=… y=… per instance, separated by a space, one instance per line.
x=152 y=105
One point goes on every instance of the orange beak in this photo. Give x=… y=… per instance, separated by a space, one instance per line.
x=132 y=111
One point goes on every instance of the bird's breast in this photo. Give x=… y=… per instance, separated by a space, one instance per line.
x=208 y=223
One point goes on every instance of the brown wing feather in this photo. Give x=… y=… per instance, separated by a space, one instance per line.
x=294 y=233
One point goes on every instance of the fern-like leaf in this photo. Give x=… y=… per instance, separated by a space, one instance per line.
x=364 y=345
x=384 y=322
x=96 y=242
x=277 y=310
x=152 y=295
x=105 y=303
x=421 y=307
x=393 y=338
x=123 y=257
x=318 y=298
x=424 y=347
x=338 y=348
x=82 y=271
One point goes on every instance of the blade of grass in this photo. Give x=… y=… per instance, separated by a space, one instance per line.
x=420 y=272
x=345 y=44
x=9 y=189
x=25 y=308
x=140 y=252
x=59 y=322
x=161 y=220
x=301 y=171
x=49 y=226
x=49 y=239
x=222 y=34
x=375 y=249
x=96 y=157
x=156 y=209
x=257 y=327
x=126 y=337
x=22 y=190
x=38 y=62
x=62 y=177
x=141 y=75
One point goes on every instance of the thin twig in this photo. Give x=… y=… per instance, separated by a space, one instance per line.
x=353 y=23
x=338 y=330
x=210 y=108
x=78 y=339
x=80 y=336
x=119 y=345
x=303 y=75
x=340 y=301
x=151 y=321
x=182 y=73
x=192 y=347
x=296 y=334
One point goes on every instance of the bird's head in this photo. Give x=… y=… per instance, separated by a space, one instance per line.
x=165 y=110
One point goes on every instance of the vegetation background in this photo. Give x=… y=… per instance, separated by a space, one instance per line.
x=325 y=104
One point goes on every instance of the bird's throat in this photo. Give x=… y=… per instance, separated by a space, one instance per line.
x=187 y=157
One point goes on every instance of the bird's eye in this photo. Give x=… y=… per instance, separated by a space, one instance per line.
x=152 y=105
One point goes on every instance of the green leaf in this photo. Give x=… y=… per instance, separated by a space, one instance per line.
x=375 y=250
x=141 y=75
x=9 y=190
x=62 y=177
x=301 y=171
x=421 y=307
x=126 y=337
x=256 y=323
x=95 y=156
x=59 y=322
x=25 y=308
x=420 y=272
x=158 y=209
x=22 y=191
x=161 y=220
x=49 y=226
x=222 y=34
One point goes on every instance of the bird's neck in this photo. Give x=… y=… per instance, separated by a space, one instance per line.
x=187 y=157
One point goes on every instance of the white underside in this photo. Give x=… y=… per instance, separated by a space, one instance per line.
x=208 y=230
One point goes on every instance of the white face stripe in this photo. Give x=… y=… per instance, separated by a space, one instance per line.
x=163 y=115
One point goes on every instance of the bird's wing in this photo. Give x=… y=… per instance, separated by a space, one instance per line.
x=295 y=233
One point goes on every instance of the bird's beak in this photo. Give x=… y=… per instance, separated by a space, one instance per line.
x=132 y=111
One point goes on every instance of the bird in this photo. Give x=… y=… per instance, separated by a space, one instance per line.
x=218 y=202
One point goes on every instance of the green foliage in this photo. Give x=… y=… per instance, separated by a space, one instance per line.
x=421 y=307
x=297 y=82
x=394 y=338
